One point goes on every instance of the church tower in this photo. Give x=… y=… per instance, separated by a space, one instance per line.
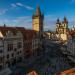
x=62 y=29
x=37 y=20
x=65 y=25
x=58 y=26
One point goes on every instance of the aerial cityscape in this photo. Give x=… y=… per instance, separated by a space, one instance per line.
x=37 y=37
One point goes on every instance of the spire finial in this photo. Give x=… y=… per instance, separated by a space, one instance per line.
x=38 y=12
x=65 y=20
x=58 y=21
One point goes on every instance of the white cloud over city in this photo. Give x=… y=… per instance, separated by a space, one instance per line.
x=23 y=21
x=3 y=11
x=15 y=5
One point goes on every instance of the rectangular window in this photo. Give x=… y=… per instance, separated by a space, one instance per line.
x=17 y=53
x=1 y=51
x=10 y=47
x=15 y=49
x=19 y=45
x=1 y=59
x=12 y=54
x=20 y=51
x=8 y=56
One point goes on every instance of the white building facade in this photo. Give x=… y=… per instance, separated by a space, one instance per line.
x=11 y=46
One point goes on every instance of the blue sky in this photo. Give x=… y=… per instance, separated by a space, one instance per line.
x=19 y=12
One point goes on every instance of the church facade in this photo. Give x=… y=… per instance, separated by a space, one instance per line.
x=62 y=29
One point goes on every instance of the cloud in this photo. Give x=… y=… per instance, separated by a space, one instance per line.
x=23 y=21
x=13 y=5
x=26 y=21
x=50 y=22
x=72 y=1
x=28 y=7
x=3 y=11
x=22 y=5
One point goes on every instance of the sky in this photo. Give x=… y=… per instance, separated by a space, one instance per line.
x=19 y=12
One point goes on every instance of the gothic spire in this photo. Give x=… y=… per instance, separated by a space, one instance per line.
x=65 y=20
x=38 y=12
x=58 y=21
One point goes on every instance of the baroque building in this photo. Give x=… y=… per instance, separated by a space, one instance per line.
x=60 y=33
x=62 y=28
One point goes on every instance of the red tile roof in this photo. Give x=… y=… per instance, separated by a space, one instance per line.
x=4 y=30
x=67 y=72
x=28 y=34
x=32 y=73
x=72 y=32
